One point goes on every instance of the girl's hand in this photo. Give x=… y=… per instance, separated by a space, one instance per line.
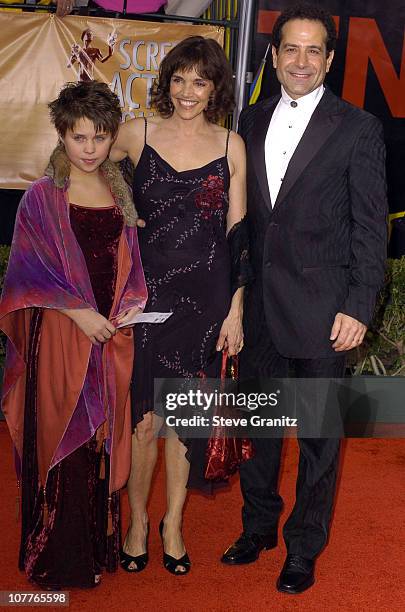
x=128 y=315
x=96 y=327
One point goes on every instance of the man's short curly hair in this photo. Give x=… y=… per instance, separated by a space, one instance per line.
x=91 y=100
x=208 y=59
x=306 y=11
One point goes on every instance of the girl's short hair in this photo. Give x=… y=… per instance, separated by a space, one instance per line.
x=86 y=100
x=208 y=59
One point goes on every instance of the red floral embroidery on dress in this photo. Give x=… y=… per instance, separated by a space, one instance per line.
x=209 y=198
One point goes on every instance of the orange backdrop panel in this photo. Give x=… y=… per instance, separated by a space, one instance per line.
x=41 y=52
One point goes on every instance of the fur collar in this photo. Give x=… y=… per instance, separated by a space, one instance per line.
x=58 y=170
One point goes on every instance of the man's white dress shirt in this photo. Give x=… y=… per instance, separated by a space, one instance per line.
x=287 y=125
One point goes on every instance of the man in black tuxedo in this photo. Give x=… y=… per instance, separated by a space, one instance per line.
x=317 y=216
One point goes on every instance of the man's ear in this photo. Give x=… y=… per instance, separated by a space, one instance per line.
x=274 y=54
x=329 y=60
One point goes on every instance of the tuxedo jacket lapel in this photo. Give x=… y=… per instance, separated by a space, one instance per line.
x=324 y=121
x=258 y=154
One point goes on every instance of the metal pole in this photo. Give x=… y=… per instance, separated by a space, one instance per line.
x=247 y=8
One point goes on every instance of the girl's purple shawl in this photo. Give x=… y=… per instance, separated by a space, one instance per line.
x=47 y=270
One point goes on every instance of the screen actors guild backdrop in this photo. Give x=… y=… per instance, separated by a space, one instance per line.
x=40 y=52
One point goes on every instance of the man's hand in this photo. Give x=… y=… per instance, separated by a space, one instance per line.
x=96 y=327
x=347 y=332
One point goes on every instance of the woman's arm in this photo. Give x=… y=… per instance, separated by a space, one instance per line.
x=129 y=141
x=231 y=334
x=237 y=188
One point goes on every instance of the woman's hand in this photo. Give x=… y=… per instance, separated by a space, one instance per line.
x=231 y=334
x=128 y=315
x=96 y=327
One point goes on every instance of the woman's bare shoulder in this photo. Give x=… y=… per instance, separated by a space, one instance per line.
x=132 y=127
x=236 y=153
x=154 y=123
x=155 y=120
x=129 y=141
x=236 y=142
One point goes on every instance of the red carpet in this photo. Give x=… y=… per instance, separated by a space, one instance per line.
x=361 y=569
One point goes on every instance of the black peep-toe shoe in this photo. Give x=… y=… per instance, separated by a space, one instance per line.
x=140 y=560
x=170 y=563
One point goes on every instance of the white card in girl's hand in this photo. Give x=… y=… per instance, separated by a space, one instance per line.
x=147 y=317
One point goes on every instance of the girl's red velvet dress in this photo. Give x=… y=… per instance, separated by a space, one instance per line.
x=74 y=545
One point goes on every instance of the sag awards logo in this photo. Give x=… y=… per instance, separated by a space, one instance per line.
x=86 y=56
x=138 y=68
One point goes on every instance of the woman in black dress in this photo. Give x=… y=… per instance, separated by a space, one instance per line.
x=189 y=187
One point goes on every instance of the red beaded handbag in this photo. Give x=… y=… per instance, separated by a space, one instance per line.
x=225 y=453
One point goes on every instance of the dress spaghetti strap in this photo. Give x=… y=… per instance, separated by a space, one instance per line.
x=227 y=142
x=146 y=128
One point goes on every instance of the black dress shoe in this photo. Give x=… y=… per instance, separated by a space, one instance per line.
x=248 y=547
x=297 y=575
